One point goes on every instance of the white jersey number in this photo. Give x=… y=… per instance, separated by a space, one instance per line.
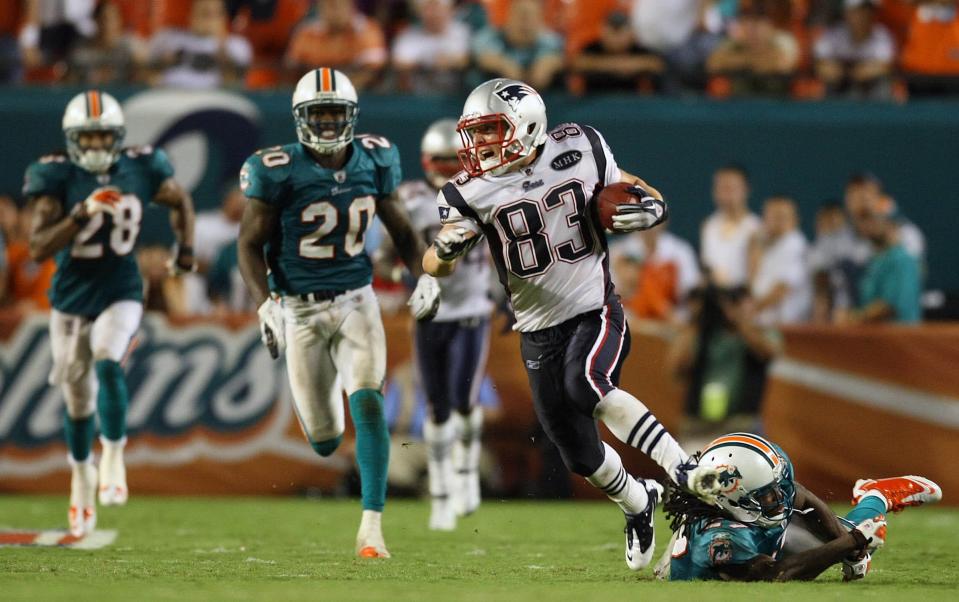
x=123 y=235
x=360 y=214
x=527 y=248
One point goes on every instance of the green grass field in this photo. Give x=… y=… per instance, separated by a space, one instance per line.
x=295 y=549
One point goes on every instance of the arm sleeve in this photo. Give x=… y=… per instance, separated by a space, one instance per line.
x=721 y=547
x=451 y=215
x=603 y=156
x=256 y=181
x=45 y=178
x=389 y=173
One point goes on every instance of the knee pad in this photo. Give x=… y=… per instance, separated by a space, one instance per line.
x=327 y=447
x=80 y=397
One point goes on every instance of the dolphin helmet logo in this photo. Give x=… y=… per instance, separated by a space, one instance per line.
x=729 y=478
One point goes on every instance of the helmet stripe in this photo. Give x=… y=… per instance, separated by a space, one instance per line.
x=325 y=85
x=93 y=104
x=748 y=441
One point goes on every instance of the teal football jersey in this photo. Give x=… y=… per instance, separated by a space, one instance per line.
x=99 y=268
x=323 y=213
x=715 y=543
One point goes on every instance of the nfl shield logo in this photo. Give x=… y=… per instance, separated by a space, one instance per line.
x=339 y=176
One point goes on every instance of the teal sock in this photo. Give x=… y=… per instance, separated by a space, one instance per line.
x=372 y=446
x=325 y=448
x=868 y=507
x=79 y=433
x=112 y=399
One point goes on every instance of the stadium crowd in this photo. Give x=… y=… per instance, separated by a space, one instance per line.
x=876 y=49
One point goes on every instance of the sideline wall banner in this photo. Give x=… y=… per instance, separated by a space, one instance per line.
x=867 y=402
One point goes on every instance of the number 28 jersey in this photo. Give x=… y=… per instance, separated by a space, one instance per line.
x=542 y=227
x=99 y=267
x=322 y=213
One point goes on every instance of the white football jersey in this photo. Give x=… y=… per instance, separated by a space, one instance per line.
x=542 y=227
x=466 y=293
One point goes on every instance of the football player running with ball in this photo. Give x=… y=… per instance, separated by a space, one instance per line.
x=88 y=208
x=451 y=349
x=768 y=527
x=529 y=190
x=301 y=239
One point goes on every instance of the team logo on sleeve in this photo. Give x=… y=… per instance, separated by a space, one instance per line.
x=720 y=551
x=444 y=213
x=514 y=93
x=566 y=160
x=244 y=178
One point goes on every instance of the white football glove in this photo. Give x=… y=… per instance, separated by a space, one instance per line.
x=103 y=199
x=701 y=481
x=649 y=212
x=874 y=530
x=856 y=569
x=425 y=300
x=272 y=327
x=451 y=243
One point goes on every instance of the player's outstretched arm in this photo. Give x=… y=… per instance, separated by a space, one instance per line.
x=182 y=218
x=452 y=242
x=51 y=230
x=821 y=517
x=259 y=221
x=638 y=181
x=409 y=246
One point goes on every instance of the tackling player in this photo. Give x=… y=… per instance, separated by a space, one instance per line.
x=768 y=527
x=451 y=349
x=301 y=238
x=529 y=191
x=88 y=205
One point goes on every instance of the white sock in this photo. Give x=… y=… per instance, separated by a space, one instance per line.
x=611 y=477
x=439 y=442
x=634 y=424
x=466 y=450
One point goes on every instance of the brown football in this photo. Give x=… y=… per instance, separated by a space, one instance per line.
x=609 y=200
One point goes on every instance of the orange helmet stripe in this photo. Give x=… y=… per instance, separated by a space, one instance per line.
x=94 y=107
x=326 y=80
x=747 y=439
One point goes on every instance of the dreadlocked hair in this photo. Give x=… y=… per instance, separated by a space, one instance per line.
x=684 y=509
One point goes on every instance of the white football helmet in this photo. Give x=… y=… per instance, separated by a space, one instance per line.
x=438 y=152
x=322 y=91
x=511 y=118
x=93 y=111
x=756 y=482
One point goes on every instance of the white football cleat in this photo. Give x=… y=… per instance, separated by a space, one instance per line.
x=369 y=539
x=113 y=473
x=466 y=495
x=640 y=529
x=899 y=492
x=82 y=515
x=442 y=516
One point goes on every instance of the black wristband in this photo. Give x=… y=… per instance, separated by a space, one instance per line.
x=80 y=220
x=184 y=250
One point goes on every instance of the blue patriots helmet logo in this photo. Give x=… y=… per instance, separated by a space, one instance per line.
x=514 y=93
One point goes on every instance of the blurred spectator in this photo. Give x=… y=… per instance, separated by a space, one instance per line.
x=725 y=236
x=684 y=32
x=3 y=267
x=757 y=58
x=855 y=58
x=833 y=247
x=28 y=281
x=50 y=30
x=616 y=62
x=267 y=25
x=10 y=69
x=889 y=289
x=522 y=49
x=780 y=284
x=215 y=229
x=864 y=192
x=170 y=14
x=341 y=38
x=430 y=56
x=161 y=291
x=722 y=358
x=655 y=272
x=930 y=56
x=204 y=56
x=228 y=293
x=111 y=56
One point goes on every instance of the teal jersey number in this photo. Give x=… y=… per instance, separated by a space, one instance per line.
x=99 y=267
x=323 y=213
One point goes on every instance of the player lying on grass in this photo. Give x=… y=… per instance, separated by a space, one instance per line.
x=529 y=191
x=768 y=527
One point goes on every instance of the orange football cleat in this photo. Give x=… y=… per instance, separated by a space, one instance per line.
x=899 y=492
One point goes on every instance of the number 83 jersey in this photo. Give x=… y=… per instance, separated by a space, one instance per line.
x=99 y=267
x=323 y=214
x=542 y=228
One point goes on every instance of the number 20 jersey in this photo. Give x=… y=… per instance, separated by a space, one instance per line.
x=542 y=227
x=322 y=213
x=99 y=267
